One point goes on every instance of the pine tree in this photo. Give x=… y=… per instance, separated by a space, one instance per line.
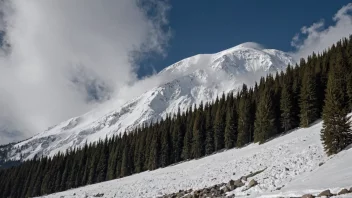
x=165 y=149
x=244 y=114
x=102 y=162
x=178 y=133
x=198 y=135
x=308 y=100
x=219 y=129
x=209 y=140
x=286 y=106
x=264 y=125
x=336 y=133
x=230 y=128
x=125 y=166
x=187 y=142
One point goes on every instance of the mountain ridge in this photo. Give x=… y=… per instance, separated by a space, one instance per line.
x=187 y=82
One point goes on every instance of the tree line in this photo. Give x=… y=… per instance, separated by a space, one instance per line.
x=319 y=86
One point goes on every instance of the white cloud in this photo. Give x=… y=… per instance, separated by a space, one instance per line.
x=63 y=56
x=317 y=38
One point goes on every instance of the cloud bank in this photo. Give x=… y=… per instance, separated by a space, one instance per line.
x=60 y=58
x=317 y=37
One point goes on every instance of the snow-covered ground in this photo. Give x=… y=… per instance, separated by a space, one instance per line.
x=291 y=162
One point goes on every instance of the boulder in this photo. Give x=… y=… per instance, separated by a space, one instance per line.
x=231 y=196
x=252 y=183
x=326 y=193
x=99 y=195
x=308 y=196
x=238 y=183
x=343 y=191
x=180 y=194
x=244 y=178
x=321 y=163
x=231 y=185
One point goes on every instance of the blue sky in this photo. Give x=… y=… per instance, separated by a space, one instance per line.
x=210 y=26
x=65 y=57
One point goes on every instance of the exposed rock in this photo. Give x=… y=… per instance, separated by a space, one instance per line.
x=180 y=194
x=252 y=183
x=343 y=191
x=308 y=196
x=325 y=193
x=99 y=195
x=238 y=183
x=244 y=178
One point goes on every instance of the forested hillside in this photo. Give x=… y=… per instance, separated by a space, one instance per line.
x=320 y=86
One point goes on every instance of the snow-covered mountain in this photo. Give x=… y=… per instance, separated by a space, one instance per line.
x=192 y=80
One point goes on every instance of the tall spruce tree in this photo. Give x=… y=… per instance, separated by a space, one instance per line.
x=244 y=117
x=230 y=128
x=287 y=107
x=336 y=133
x=198 y=135
x=309 y=110
x=209 y=140
x=219 y=129
x=264 y=125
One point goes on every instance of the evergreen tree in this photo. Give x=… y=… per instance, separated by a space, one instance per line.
x=287 y=107
x=198 y=135
x=231 y=128
x=336 y=133
x=209 y=141
x=308 y=100
x=264 y=125
x=244 y=114
x=219 y=129
x=125 y=165
x=165 y=149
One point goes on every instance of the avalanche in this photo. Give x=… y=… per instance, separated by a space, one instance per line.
x=294 y=164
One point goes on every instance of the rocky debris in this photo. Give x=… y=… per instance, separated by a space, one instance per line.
x=343 y=191
x=252 y=183
x=326 y=193
x=99 y=195
x=307 y=196
x=220 y=190
x=217 y=190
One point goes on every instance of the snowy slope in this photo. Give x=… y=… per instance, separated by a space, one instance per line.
x=291 y=162
x=187 y=82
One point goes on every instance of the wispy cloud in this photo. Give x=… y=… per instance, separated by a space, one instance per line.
x=317 y=37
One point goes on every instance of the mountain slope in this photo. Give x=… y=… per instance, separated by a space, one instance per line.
x=291 y=164
x=187 y=82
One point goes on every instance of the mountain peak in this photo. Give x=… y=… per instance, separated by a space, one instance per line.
x=252 y=45
x=193 y=80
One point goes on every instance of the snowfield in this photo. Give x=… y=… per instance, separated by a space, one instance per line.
x=291 y=164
